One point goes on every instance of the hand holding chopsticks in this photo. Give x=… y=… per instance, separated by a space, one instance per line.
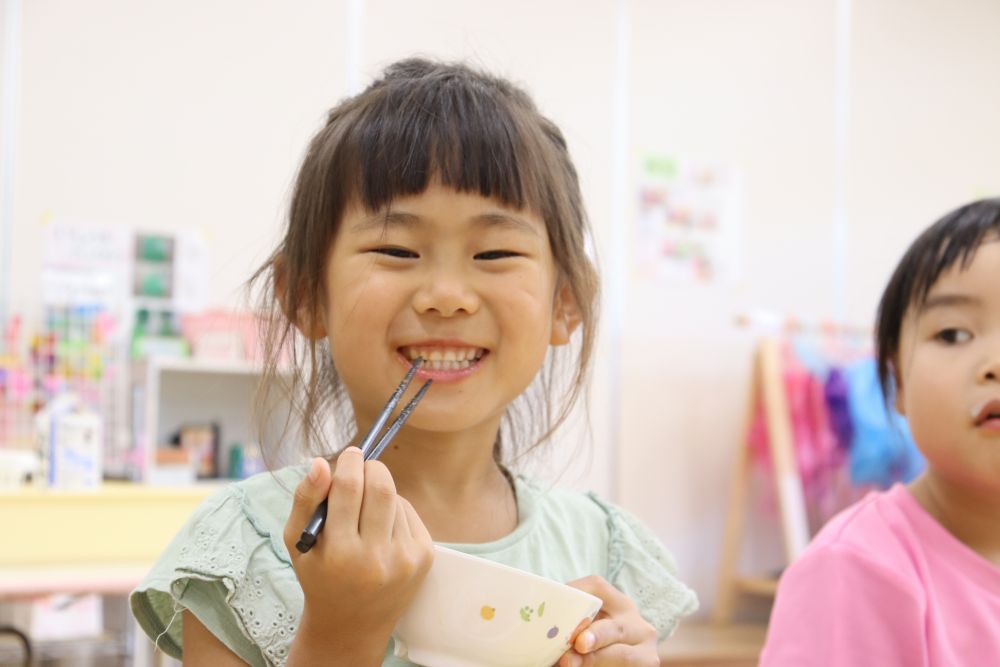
x=370 y=449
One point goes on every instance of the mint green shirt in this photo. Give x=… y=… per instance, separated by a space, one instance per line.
x=229 y=566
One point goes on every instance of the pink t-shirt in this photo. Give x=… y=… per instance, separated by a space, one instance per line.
x=884 y=584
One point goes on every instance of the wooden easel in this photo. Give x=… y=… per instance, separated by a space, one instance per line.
x=766 y=388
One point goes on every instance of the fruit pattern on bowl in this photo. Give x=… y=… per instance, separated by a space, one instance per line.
x=528 y=614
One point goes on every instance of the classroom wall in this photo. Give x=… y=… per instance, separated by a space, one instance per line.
x=193 y=116
x=924 y=131
x=754 y=84
x=167 y=116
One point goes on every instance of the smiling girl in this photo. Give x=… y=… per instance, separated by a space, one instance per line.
x=436 y=214
x=911 y=577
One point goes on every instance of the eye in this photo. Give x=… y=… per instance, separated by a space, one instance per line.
x=496 y=254
x=393 y=251
x=953 y=336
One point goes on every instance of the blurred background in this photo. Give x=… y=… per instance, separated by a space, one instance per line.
x=753 y=171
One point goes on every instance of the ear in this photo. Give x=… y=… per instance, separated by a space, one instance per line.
x=565 y=316
x=309 y=322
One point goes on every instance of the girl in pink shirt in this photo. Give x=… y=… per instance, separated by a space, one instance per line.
x=911 y=577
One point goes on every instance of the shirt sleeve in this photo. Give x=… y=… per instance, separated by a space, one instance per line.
x=642 y=568
x=837 y=608
x=228 y=571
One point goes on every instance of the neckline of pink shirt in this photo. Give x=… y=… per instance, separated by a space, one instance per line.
x=964 y=558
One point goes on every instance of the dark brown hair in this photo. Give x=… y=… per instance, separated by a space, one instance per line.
x=953 y=238
x=471 y=131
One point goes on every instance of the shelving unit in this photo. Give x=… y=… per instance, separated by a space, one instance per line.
x=168 y=393
x=766 y=390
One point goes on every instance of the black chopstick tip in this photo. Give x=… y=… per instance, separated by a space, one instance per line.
x=306 y=542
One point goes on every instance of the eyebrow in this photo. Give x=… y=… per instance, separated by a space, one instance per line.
x=385 y=220
x=949 y=301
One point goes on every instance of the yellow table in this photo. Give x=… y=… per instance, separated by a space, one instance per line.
x=100 y=541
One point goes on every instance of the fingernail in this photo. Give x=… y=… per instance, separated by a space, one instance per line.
x=587 y=640
x=314 y=470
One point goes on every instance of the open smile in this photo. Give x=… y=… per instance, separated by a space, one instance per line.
x=445 y=363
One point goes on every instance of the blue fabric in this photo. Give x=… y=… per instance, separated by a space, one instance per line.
x=811 y=356
x=882 y=449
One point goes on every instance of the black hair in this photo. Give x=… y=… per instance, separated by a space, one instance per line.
x=953 y=238
x=422 y=121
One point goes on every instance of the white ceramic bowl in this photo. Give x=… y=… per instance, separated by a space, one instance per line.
x=471 y=612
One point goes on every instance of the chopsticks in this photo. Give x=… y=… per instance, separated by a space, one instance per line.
x=370 y=449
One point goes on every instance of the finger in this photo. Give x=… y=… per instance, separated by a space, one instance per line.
x=401 y=527
x=346 y=492
x=420 y=541
x=570 y=659
x=580 y=627
x=619 y=654
x=418 y=531
x=378 y=506
x=614 y=601
x=631 y=629
x=309 y=493
x=601 y=633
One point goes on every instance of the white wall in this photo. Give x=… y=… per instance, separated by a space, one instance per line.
x=925 y=135
x=194 y=115
x=753 y=84
x=170 y=116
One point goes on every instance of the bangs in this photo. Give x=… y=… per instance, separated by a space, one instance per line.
x=953 y=239
x=470 y=138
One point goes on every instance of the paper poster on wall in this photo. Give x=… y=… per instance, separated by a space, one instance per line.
x=688 y=222
x=85 y=264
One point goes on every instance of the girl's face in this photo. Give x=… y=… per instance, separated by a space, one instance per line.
x=459 y=279
x=949 y=372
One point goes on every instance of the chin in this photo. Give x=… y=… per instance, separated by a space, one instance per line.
x=450 y=422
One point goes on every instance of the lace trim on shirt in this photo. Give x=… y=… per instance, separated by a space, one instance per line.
x=264 y=620
x=653 y=585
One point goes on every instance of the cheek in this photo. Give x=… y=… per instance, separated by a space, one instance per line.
x=357 y=322
x=526 y=308
x=933 y=398
x=362 y=296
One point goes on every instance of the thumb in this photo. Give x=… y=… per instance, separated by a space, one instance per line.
x=310 y=492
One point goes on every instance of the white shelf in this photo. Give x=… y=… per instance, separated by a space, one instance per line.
x=213 y=366
x=168 y=392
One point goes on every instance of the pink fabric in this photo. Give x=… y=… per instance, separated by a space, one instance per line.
x=817 y=454
x=885 y=584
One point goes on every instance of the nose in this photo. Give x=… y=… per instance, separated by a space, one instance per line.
x=446 y=292
x=990 y=370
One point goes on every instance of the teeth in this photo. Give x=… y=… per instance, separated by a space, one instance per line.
x=444 y=358
x=447 y=365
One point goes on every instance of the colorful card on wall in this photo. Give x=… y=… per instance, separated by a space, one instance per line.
x=688 y=221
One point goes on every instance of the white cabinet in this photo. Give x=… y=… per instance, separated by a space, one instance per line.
x=170 y=393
